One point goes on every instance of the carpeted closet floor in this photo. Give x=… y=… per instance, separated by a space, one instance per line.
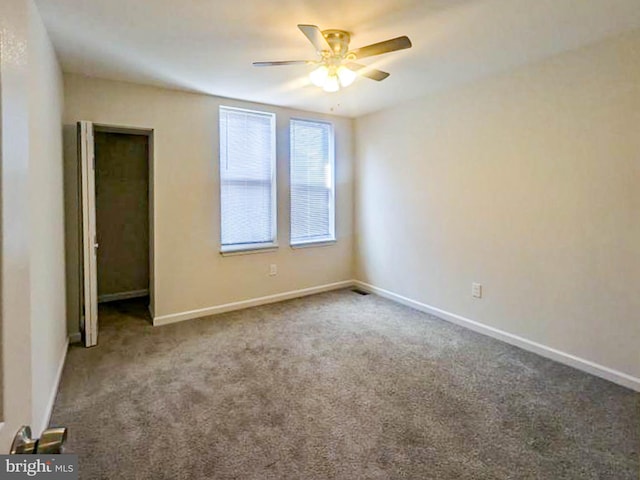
x=334 y=386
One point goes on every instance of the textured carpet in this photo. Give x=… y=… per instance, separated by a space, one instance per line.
x=334 y=386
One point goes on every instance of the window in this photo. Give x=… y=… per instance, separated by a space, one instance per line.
x=312 y=182
x=247 y=180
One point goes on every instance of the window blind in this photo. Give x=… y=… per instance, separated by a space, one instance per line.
x=312 y=182
x=247 y=178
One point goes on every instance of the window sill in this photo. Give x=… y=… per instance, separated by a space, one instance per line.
x=314 y=243
x=248 y=249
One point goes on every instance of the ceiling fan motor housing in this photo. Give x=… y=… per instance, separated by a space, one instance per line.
x=338 y=40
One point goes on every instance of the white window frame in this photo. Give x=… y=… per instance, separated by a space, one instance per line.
x=244 y=248
x=331 y=238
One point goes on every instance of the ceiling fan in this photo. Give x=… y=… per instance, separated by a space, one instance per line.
x=337 y=65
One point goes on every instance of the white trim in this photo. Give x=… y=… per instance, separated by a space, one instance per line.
x=110 y=297
x=314 y=243
x=248 y=248
x=75 y=337
x=601 y=371
x=253 y=302
x=124 y=129
x=54 y=392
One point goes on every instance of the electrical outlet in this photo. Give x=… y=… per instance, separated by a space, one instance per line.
x=476 y=290
x=273 y=269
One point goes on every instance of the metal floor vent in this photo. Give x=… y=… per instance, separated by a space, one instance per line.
x=359 y=292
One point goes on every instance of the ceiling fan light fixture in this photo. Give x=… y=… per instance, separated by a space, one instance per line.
x=336 y=65
x=346 y=76
x=331 y=84
x=319 y=76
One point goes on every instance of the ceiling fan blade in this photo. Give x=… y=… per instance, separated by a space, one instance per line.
x=363 y=70
x=314 y=34
x=399 y=43
x=276 y=64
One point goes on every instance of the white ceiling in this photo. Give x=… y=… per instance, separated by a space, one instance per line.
x=208 y=45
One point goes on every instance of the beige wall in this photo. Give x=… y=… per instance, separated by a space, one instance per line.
x=190 y=273
x=33 y=283
x=47 y=263
x=122 y=212
x=14 y=143
x=528 y=183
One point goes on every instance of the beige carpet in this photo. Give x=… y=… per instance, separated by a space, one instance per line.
x=335 y=386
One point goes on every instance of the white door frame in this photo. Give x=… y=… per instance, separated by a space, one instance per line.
x=86 y=155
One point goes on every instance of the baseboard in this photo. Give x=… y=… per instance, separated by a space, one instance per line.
x=112 y=297
x=54 y=392
x=253 y=302
x=601 y=371
x=75 y=338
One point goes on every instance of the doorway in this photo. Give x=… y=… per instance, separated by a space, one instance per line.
x=117 y=201
x=122 y=215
